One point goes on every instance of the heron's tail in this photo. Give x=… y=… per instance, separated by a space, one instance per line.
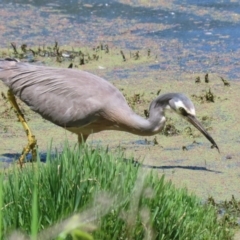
x=7 y=63
x=6 y=67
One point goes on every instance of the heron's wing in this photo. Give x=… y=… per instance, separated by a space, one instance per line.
x=66 y=97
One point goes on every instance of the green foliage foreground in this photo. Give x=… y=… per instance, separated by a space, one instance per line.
x=92 y=194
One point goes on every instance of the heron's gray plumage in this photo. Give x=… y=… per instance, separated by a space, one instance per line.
x=85 y=103
x=68 y=97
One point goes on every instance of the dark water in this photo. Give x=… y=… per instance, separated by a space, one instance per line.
x=191 y=35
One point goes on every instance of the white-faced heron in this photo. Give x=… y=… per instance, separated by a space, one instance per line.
x=84 y=103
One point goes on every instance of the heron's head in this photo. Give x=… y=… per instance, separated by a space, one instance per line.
x=182 y=105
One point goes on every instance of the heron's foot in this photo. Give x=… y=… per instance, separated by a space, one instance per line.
x=31 y=146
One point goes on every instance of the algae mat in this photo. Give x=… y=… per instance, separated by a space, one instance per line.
x=184 y=156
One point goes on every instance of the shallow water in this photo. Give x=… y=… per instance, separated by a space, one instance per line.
x=189 y=35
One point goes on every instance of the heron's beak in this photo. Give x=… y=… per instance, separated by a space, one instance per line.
x=193 y=120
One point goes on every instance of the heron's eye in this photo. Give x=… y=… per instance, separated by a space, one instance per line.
x=183 y=111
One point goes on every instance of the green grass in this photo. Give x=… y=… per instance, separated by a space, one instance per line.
x=83 y=193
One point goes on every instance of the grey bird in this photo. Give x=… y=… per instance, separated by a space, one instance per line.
x=84 y=103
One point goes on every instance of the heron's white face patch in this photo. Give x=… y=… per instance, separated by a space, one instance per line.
x=179 y=104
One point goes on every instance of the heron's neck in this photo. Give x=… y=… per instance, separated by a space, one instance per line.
x=140 y=126
x=127 y=120
x=146 y=127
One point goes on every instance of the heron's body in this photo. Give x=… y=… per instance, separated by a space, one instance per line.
x=84 y=103
x=76 y=100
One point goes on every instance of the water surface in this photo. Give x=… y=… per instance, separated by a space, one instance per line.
x=188 y=35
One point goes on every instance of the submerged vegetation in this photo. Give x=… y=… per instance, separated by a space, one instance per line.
x=109 y=197
x=77 y=56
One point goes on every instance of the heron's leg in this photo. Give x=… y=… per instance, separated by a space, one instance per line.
x=31 y=146
x=82 y=138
